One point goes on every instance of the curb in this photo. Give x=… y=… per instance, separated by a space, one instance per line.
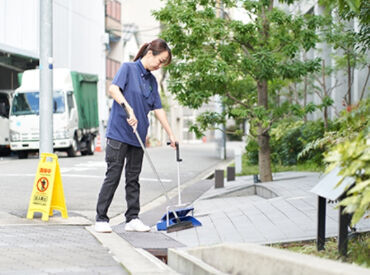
x=134 y=260
x=253 y=259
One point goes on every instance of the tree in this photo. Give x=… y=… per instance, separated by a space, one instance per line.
x=216 y=55
x=353 y=44
x=323 y=91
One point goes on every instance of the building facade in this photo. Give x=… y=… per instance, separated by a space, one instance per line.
x=78 y=40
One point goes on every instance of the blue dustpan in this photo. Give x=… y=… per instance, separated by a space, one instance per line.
x=162 y=224
x=181 y=212
x=182 y=215
x=179 y=221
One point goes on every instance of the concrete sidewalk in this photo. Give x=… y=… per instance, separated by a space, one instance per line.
x=241 y=212
x=280 y=211
x=70 y=246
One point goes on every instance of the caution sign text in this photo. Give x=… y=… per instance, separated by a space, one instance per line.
x=47 y=194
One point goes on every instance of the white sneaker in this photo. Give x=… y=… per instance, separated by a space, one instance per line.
x=102 y=227
x=136 y=225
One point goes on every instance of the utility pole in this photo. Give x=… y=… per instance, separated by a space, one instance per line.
x=46 y=76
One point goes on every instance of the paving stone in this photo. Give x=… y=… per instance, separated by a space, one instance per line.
x=53 y=249
x=205 y=235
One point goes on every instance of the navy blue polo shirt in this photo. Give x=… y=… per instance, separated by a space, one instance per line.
x=140 y=89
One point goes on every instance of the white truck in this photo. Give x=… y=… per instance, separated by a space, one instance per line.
x=75 y=113
x=5 y=101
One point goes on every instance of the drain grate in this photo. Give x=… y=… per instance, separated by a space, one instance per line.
x=155 y=243
x=147 y=240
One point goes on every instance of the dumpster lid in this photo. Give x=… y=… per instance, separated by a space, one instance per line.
x=327 y=188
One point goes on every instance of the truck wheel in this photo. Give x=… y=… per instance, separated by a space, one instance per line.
x=72 y=151
x=22 y=154
x=91 y=146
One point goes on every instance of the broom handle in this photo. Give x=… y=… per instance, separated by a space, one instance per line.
x=148 y=157
x=178 y=160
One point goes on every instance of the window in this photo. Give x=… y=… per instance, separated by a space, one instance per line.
x=112 y=67
x=28 y=103
x=113 y=10
x=58 y=102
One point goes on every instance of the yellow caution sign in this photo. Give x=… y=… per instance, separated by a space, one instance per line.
x=47 y=194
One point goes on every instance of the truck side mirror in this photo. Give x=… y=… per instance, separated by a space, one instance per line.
x=3 y=111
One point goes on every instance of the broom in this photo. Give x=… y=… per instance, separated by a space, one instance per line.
x=179 y=224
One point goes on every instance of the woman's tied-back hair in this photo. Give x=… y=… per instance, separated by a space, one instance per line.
x=157 y=46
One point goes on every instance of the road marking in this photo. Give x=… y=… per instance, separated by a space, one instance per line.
x=153 y=179
x=80 y=176
x=76 y=169
x=92 y=164
x=17 y=175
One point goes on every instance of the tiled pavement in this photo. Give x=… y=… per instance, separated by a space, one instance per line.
x=240 y=212
x=228 y=215
x=53 y=250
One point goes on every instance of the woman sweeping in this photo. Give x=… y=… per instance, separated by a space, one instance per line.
x=136 y=88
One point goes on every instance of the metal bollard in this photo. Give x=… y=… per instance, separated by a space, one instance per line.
x=256 y=179
x=219 y=178
x=230 y=173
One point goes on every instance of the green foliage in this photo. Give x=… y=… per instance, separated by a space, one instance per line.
x=294 y=137
x=358 y=249
x=341 y=37
x=226 y=57
x=353 y=158
x=205 y=121
x=252 y=169
x=351 y=122
x=234 y=133
x=351 y=152
x=349 y=10
x=288 y=139
x=251 y=151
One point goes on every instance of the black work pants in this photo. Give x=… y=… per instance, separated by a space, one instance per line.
x=115 y=155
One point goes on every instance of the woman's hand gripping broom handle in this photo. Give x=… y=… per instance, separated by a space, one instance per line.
x=148 y=157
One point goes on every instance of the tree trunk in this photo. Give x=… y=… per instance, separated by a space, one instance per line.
x=264 y=158
x=349 y=76
x=326 y=118
x=305 y=96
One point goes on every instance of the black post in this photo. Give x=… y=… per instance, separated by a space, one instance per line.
x=321 y=217
x=344 y=220
x=219 y=178
x=230 y=173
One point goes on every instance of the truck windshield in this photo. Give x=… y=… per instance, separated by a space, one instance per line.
x=28 y=103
